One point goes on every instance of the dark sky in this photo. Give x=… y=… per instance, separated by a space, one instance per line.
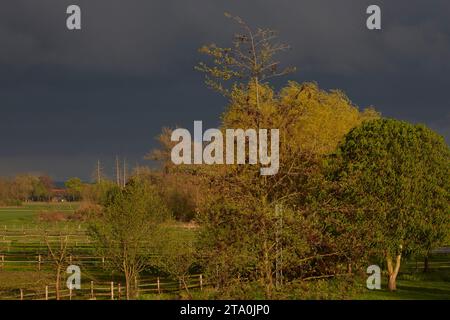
x=69 y=98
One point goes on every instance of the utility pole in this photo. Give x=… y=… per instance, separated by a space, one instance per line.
x=117 y=171
x=99 y=172
x=124 y=172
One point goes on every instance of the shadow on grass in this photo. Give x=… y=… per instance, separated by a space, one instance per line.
x=424 y=292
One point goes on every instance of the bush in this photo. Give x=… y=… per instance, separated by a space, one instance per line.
x=324 y=289
x=85 y=211
x=46 y=216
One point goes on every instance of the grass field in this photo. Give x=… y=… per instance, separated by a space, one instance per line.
x=19 y=243
x=413 y=284
x=27 y=214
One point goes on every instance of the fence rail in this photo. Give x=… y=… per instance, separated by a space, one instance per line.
x=23 y=248
x=108 y=290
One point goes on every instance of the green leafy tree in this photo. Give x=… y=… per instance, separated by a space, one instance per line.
x=394 y=182
x=125 y=230
x=74 y=188
x=97 y=192
x=22 y=187
x=42 y=188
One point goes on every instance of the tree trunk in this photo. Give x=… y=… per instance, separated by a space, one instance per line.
x=257 y=93
x=58 y=282
x=349 y=268
x=128 y=278
x=392 y=282
x=131 y=283
x=127 y=283
x=393 y=272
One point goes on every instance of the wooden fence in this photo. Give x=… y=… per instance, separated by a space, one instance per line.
x=109 y=290
x=22 y=248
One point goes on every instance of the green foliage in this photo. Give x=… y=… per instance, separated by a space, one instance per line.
x=128 y=218
x=98 y=192
x=310 y=120
x=176 y=255
x=241 y=232
x=394 y=177
x=339 y=288
x=22 y=188
x=382 y=189
x=252 y=242
x=178 y=190
x=74 y=188
x=126 y=229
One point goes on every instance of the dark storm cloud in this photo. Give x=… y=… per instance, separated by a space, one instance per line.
x=68 y=98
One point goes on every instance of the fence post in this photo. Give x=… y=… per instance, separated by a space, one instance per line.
x=39 y=262
x=112 y=290
x=119 y=296
x=158 y=283
x=92 y=290
x=70 y=292
x=21 y=294
x=136 y=285
x=103 y=262
x=46 y=292
x=2 y=259
x=201 y=282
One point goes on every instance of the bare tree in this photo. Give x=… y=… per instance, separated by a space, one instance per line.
x=250 y=59
x=58 y=253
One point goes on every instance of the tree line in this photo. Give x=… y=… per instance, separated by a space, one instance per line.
x=24 y=187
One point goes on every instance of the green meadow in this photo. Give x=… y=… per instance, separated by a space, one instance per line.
x=27 y=214
x=413 y=283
